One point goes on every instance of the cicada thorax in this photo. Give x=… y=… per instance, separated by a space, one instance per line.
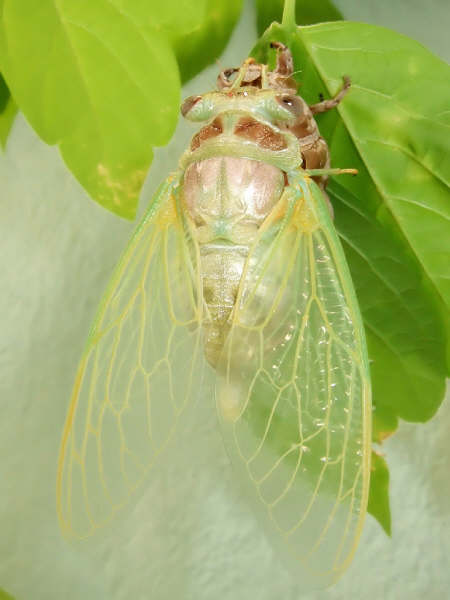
x=313 y=148
x=256 y=131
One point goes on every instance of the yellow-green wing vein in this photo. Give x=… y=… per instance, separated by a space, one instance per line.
x=300 y=426
x=143 y=362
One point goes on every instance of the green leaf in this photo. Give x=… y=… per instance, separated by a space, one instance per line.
x=404 y=332
x=4 y=94
x=384 y=423
x=398 y=120
x=5 y=596
x=378 y=505
x=201 y=44
x=306 y=12
x=8 y=110
x=7 y=117
x=197 y=30
x=399 y=298
x=101 y=79
x=98 y=82
x=394 y=217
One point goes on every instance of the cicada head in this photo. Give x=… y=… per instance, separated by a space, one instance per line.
x=257 y=75
x=253 y=88
x=260 y=105
x=256 y=112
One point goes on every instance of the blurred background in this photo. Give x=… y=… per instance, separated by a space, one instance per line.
x=189 y=537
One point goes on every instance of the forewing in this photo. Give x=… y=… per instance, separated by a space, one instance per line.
x=294 y=392
x=143 y=364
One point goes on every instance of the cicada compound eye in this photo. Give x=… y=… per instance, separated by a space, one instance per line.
x=188 y=104
x=292 y=103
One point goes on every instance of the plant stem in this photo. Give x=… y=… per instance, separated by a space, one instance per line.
x=289 y=14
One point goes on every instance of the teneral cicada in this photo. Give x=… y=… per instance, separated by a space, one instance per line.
x=236 y=276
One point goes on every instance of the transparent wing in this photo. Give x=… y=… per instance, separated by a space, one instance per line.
x=294 y=394
x=134 y=380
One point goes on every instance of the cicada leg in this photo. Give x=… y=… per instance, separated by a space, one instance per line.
x=285 y=62
x=326 y=105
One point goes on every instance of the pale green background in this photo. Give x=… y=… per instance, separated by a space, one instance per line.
x=189 y=537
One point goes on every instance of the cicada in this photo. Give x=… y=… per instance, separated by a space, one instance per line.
x=234 y=286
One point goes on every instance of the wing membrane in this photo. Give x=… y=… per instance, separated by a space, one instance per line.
x=293 y=396
x=135 y=379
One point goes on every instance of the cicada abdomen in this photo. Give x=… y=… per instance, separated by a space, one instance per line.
x=235 y=277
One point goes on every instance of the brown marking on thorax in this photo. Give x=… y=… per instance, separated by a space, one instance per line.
x=209 y=131
x=263 y=135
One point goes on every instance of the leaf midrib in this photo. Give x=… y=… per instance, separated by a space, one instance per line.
x=377 y=272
